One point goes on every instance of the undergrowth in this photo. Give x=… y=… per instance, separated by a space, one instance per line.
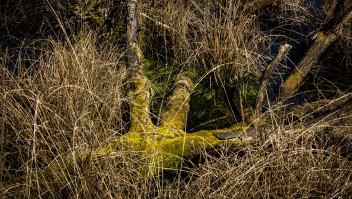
x=74 y=99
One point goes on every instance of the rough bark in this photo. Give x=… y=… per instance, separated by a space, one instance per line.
x=321 y=42
x=142 y=90
x=331 y=114
x=134 y=67
x=328 y=112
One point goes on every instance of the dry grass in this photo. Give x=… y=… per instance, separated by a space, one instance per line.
x=203 y=35
x=74 y=100
x=69 y=101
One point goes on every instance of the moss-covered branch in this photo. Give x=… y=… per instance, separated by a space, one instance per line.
x=164 y=146
x=321 y=42
x=140 y=108
x=141 y=86
x=177 y=106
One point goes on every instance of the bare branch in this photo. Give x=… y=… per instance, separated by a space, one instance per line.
x=134 y=68
x=267 y=74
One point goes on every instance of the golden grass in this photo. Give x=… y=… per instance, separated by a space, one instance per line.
x=74 y=101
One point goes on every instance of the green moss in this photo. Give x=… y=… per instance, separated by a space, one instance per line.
x=158 y=150
x=320 y=36
x=265 y=124
x=161 y=149
x=140 y=121
x=291 y=84
x=175 y=115
x=177 y=109
x=139 y=52
x=170 y=132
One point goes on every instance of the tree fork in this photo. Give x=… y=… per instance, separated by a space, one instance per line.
x=166 y=144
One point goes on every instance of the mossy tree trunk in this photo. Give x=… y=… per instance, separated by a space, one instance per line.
x=169 y=142
x=170 y=136
x=320 y=43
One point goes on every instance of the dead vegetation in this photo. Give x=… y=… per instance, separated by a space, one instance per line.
x=77 y=122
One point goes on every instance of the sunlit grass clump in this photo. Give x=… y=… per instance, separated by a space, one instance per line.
x=72 y=126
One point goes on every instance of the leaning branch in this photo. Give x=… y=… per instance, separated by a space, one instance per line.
x=321 y=42
x=266 y=76
x=157 y=22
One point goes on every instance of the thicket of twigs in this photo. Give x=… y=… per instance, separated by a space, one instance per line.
x=70 y=96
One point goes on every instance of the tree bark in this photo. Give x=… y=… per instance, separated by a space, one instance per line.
x=142 y=89
x=168 y=143
x=134 y=67
x=321 y=42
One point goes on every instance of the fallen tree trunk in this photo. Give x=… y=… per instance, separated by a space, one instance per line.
x=167 y=144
